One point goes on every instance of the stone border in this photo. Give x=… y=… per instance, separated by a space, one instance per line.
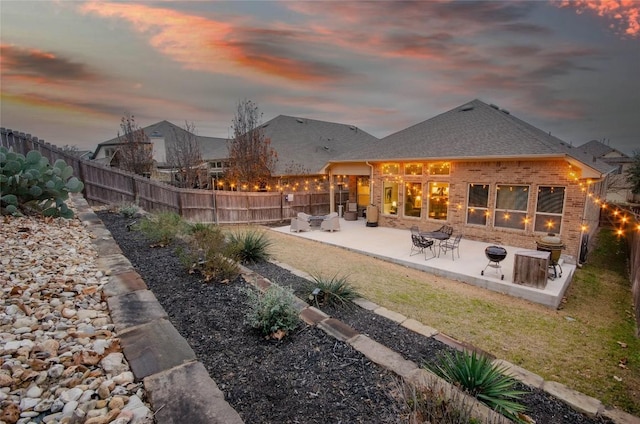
x=180 y=389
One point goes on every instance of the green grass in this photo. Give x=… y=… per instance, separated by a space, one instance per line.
x=576 y=345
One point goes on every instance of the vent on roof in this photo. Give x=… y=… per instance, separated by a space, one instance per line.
x=156 y=134
x=300 y=120
x=326 y=147
x=466 y=108
x=506 y=111
x=352 y=127
x=265 y=125
x=494 y=106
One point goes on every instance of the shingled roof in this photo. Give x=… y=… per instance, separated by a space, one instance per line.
x=311 y=143
x=475 y=130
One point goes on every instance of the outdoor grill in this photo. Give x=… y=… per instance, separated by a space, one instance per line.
x=552 y=243
x=495 y=254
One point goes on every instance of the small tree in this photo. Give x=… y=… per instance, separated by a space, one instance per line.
x=252 y=160
x=184 y=155
x=135 y=152
x=633 y=173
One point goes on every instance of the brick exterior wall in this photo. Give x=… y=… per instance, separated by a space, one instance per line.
x=580 y=212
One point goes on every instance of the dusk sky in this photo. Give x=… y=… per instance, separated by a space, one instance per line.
x=71 y=69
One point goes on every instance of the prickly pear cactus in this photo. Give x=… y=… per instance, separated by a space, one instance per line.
x=31 y=182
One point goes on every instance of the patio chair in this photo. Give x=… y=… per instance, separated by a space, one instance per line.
x=330 y=222
x=419 y=243
x=300 y=222
x=446 y=245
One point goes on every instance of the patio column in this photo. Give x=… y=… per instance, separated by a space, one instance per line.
x=332 y=197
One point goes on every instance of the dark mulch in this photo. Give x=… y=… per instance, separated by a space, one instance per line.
x=309 y=377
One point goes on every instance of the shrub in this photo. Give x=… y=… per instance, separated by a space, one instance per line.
x=207 y=253
x=335 y=291
x=249 y=246
x=31 y=183
x=487 y=382
x=162 y=228
x=429 y=405
x=273 y=312
x=128 y=210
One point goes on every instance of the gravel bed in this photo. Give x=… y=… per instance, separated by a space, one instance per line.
x=306 y=378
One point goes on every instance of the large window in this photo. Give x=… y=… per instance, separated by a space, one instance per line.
x=390 y=198
x=413 y=169
x=478 y=204
x=413 y=199
x=438 y=200
x=439 y=168
x=549 y=209
x=391 y=169
x=511 y=206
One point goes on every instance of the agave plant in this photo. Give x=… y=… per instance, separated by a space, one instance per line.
x=487 y=382
x=332 y=291
x=249 y=246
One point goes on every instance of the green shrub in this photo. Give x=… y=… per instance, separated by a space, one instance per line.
x=273 y=312
x=249 y=246
x=162 y=228
x=487 y=382
x=31 y=183
x=128 y=210
x=334 y=291
x=207 y=253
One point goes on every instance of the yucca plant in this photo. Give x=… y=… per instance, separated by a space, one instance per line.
x=249 y=246
x=333 y=291
x=272 y=312
x=487 y=382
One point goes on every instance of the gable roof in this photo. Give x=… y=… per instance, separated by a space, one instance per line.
x=310 y=143
x=473 y=131
x=210 y=147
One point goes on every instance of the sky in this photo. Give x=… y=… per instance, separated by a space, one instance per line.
x=70 y=70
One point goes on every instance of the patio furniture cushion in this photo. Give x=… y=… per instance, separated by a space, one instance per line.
x=331 y=222
x=300 y=222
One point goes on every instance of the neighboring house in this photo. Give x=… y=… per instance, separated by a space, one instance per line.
x=303 y=146
x=490 y=175
x=162 y=135
x=619 y=188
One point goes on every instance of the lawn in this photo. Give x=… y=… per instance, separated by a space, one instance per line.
x=589 y=344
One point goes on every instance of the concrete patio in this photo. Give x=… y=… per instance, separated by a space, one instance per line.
x=394 y=245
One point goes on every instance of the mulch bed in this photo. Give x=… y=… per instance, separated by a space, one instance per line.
x=308 y=377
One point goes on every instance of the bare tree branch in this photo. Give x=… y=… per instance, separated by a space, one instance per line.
x=135 y=150
x=183 y=154
x=252 y=160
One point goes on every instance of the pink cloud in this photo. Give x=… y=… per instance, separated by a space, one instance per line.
x=624 y=13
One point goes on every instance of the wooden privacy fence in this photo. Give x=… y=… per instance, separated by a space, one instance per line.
x=106 y=185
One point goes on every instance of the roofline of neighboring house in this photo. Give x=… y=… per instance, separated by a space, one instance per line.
x=594 y=173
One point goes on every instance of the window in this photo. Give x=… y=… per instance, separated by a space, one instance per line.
x=478 y=204
x=549 y=209
x=413 y=199
x=390 y=198
x=439 y=168
x=511 y=206
x=390 y=169
x=413 y=169
x=438 y=200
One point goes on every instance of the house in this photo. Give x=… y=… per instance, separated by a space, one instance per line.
x=490 y=175
x=162 y=136
x=618 y=188
x=303 y=146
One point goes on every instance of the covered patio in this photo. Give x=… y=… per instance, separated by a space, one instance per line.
x=394 y=245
